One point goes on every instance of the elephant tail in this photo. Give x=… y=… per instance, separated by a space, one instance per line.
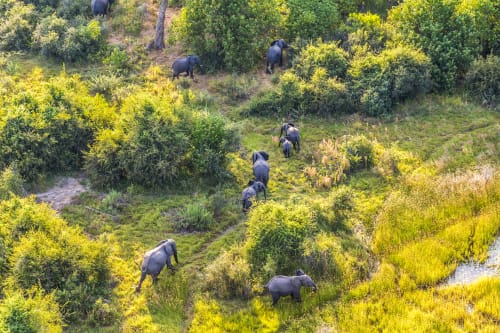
x=174 y=248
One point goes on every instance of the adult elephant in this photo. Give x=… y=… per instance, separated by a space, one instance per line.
x=292 y=133
x=260 y=166
x=275 y=55
x=155 y=259
x=281 y=286
x=185 y=64
x=254 y=187
x=101 y=7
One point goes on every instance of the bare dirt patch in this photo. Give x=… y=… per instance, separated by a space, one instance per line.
x=62 y=193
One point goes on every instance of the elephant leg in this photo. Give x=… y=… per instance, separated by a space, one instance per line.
x=169 y=264
x=296 y=295
x=281 y=61
x=143 y=276
x=268 y=71
x=155 y=278
x=276 y=297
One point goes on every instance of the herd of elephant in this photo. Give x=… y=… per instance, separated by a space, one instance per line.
x=154 y=260
x=279 y=286
x=261 y=166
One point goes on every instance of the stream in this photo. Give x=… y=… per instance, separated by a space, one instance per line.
x=470 y=272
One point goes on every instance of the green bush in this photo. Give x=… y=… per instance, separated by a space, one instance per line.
x=195 y=217
x=33 y=314
x=378 y=82
x=442 y=32
x=359 y=151
x=118 y=61
x=73 y=267
x=319 y=256
x=16 y=27
x=483 y=81
x=228 y=276
x=11 y=183
x=228 y=34
x=325 y=55
x=309 y=19
x=277 y=232
x=70 y=9
x=366 y=30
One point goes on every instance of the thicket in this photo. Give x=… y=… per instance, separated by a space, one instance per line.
x=46 y=125
x=227 y=34
x=482 y=81
x=40 y=250
x=159 y=140
x=61 y=29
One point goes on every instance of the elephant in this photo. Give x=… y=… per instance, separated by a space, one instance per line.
x=260 y=166
x=287 y=146
x=275 y=54
x=185 y=64
x=280 y=286
x=155 y=259
x=292 y=134
x=253 y=189
x=101 y=7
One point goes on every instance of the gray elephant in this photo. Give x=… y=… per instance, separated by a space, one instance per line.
x=253 y=189
x=155 y=259
x=275 y=55
x=101 y=7
x=287 y=146
x=280 y=286
x=292 y=133
x=185 y=64
x=260 y=166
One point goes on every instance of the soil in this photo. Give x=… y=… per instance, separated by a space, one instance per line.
x=62 y=193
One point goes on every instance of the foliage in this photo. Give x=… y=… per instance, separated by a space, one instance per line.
x=113 y=202
x=228 y=276
x=16 y=27
x=227 y=34
x=308 y=19
x=129 y=16
x=157 y=141
x=118 y=61
x=195 y=217
x=277 y=232
x=11 y=184
x=325 y=55
x=442 y=33
x=35 y=313
x=334 y=160
x=319 y=254
x=380 y=81
x=366 y=31
x=47 y=126
x=483 y=81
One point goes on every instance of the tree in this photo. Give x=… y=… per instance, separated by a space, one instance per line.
x=159 y=41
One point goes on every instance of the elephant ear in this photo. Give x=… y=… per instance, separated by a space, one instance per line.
x=290 y=124
x=251 y=182
x=254 y=157
x=274 y=42
x=161 y=242
x=264 y=154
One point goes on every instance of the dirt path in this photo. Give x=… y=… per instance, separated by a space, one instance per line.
x=62 y=193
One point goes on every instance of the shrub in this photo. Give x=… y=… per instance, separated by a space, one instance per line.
x=366 y=30
x=380 y=81
x=483 y=81
x=325 y=55
x=278 y=232
x=443 y=33
x=118 y=61
x=228 y=276
x=310 y=19
x=69 y=9
x=319 y=255
x=36 y=313
x=11 y=183
x=74 y=268
x=359 y=151
x=227 y=34
x=195 y=217
x=16 y=27
x=113 y=202
x=48 y=36
x=325 y=96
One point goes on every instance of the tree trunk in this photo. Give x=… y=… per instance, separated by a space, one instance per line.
x=159 y=42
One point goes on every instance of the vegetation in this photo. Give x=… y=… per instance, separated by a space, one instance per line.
x=396 y=184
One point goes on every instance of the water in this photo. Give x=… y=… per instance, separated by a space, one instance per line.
x=470 y=272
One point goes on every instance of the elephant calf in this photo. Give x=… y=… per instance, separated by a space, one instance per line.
x=287 y=146
x=185 y=64
x=280 y=286
x=254 y=187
